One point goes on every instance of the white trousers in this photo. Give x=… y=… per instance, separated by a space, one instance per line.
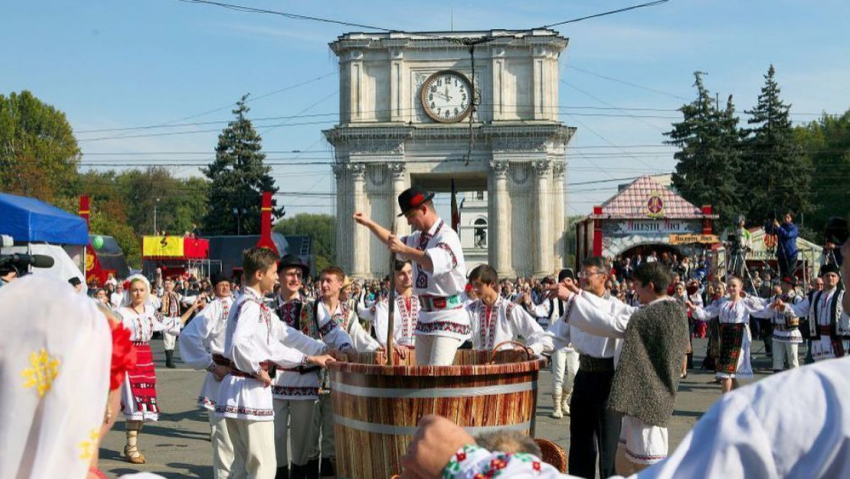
x=297 y=417
x=564 y=369
x=222 y=448
x=783 y=351
x=168 y=341
x=253 y=449
x=436 y=350
x=322 y=437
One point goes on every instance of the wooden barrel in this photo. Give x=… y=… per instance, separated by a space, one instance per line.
x=377 y=407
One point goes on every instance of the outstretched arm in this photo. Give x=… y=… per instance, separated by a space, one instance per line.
x=379 y=231
x=395 y=244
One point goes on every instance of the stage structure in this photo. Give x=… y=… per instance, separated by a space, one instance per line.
x=405 y=105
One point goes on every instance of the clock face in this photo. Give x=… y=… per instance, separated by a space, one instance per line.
x=447 y=96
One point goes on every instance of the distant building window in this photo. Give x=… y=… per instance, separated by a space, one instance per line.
x=479 y=195
x=480 y=233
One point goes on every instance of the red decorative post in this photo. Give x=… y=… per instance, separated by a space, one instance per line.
x=84 y=208
x=597 y=231
x=266 y=224
x=706 y=222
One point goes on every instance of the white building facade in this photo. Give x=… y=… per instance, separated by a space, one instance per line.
x=405 y=109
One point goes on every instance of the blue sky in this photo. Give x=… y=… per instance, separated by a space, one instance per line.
x=130 y=63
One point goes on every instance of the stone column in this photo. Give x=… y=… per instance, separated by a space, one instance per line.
x=397 y=110
x=398 y=171
x=355 y=86
x=539 y=79
x=543 y=240
x=559 y=169
x=361 y=234
x=500 y=238
x=342 y=229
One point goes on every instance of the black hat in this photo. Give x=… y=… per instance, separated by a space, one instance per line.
x=566 y=273
x=829 y=268
x=291 y=260
x=218 y=278
x=413 y=198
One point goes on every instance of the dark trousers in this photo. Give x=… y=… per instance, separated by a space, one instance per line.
x=593 y=428
x=787 y=266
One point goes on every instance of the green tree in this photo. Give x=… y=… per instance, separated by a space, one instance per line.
x=39 y=154
x=826 y=144
x=318 y=227
x=707 y=138
x=778 y=173
x=179 y=203
x=238 y=177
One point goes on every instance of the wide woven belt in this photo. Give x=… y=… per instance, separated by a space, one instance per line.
x=826 y=330
x=221 y=360
x=595 y=365
x=140 y=343
x=430 y=303
x=265 y=366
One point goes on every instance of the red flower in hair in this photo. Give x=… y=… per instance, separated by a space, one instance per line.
x=123 y=355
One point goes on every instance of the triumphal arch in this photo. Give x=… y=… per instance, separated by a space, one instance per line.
x=406 y=100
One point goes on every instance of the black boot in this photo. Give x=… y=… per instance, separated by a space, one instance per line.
x=311 y=470
x=282 y=473
x=169 y=359
x=327 y=469
x=298 y=472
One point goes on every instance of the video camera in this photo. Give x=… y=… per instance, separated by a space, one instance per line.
x=20 y=263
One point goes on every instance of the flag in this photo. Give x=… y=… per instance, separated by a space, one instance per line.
x=455 y=211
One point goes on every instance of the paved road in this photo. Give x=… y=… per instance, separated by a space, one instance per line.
x=178 y=446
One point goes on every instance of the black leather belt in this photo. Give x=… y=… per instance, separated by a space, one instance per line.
x=595 y=365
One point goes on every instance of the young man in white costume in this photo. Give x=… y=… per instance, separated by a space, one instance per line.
x=564 y=357
x=829 y=323
x=496 y=320
x=202 y=347
x=439 y=275
x=406 y=309
x=257 y=342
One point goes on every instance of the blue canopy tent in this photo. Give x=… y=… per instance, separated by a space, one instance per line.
x=28 y=220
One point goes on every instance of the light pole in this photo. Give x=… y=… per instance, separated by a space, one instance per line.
x=155 y=231
x=238 y=221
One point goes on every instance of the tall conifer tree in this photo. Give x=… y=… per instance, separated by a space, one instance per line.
x=778 y=173
x=238 y=177
x=706 y=169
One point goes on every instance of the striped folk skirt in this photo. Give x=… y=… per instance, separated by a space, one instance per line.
x=138 y=395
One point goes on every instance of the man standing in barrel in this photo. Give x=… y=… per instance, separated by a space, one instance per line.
x=438 y=271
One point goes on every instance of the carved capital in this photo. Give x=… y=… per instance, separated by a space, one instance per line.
x=541 y=167
x=398 y=170
x=357 y=170
x=559 y=169
x=500 y=169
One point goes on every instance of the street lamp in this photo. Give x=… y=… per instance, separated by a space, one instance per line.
x=238 y=214
x=155 y=230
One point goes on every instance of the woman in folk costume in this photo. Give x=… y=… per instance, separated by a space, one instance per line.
x=733 y=313
x=65 y=366
x=138 y=397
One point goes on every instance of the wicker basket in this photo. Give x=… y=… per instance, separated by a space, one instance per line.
x=553 y=454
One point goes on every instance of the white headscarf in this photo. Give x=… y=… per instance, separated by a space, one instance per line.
x=54 y=361
x=127 y=301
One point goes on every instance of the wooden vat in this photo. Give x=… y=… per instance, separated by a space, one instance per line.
x=377 y=407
